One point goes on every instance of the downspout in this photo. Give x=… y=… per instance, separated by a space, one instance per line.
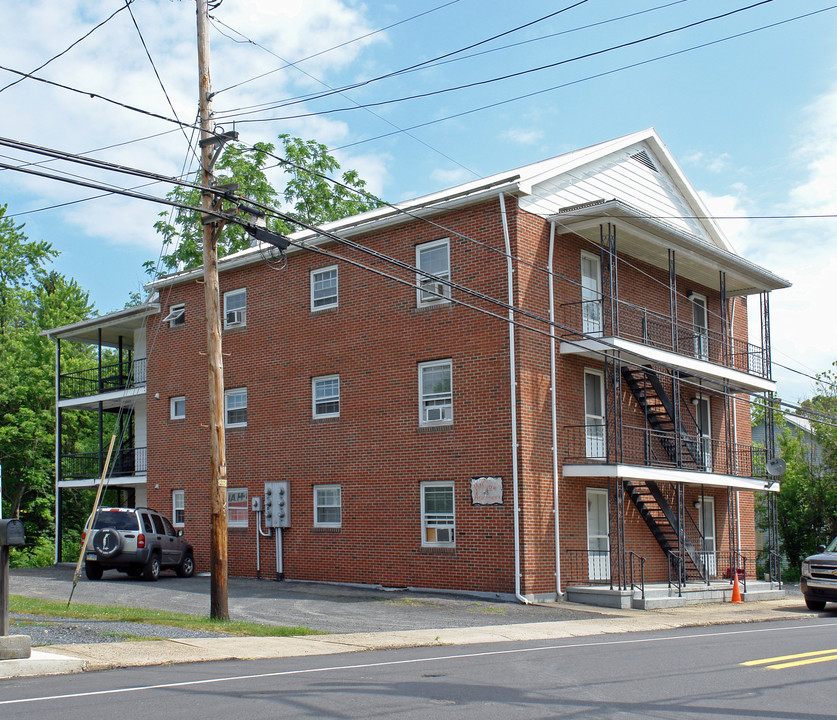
x=513 y=396
x=734 y=405
x=554 y=409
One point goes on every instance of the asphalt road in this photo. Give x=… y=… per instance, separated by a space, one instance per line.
x=322 y=607
x=769 y=671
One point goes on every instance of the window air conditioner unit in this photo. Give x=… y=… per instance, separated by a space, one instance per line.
x=234 y=317
x=444 y=535
x=434 y=414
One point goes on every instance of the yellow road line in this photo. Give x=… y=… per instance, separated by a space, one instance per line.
x=786 y=661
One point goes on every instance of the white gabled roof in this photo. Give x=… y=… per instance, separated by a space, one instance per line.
x=636 y=170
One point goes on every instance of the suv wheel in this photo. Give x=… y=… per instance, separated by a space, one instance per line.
x=151 y=571
x=187 y=566
x=93 y=571
x=815 y=605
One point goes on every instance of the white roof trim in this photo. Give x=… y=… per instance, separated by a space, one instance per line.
x=643 y=474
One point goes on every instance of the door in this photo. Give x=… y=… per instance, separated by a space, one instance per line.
x=706 y=525
x=594 y=421
x=704 y=432
x=598 y=541
x=700 y=323
x=591 y=294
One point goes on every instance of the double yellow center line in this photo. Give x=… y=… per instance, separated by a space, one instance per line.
x=789 y=661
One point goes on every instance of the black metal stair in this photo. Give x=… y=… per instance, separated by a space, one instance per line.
x=659 y=410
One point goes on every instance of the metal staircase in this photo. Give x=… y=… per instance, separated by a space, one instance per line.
x=647 y=497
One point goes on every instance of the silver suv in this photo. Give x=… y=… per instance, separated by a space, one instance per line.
x=137 y=541
x=819 y=577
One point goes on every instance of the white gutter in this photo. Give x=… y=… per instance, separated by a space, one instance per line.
x=513 y=392
x=558 y=592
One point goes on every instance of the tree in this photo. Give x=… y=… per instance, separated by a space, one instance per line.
x=308 y=196
x=31 y=300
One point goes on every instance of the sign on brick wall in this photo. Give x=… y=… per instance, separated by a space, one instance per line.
x=487 y=491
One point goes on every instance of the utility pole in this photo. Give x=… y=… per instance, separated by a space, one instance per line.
x=219 y=606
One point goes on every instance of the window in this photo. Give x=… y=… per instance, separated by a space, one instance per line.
x=433 y=258
x=235 y=308
x=176 y=316
x=324 y=288
x=178 y=509
x=437 y=517
x=325 y=392
x=327 y=506
x=594 y=425
x=177 y=407
x=235 y=407
x=435 y=393
x=237 y=507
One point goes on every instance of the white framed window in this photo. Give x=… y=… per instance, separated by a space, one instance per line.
x=177 y=407
x=237 y=507
x=327 y=506
x=178 y=507
x=438 y=520
x=325 y=396
x=433 y=258
x=324 y=288
x=435 y=393
x=235 y=407
x=594 y=414
x=176 y=316
x=235 y=308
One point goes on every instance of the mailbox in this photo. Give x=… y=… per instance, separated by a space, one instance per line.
x=11 y=532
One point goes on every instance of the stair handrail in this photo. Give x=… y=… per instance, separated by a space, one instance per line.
x=735 y=555
x=631 y=556
x=673 y=557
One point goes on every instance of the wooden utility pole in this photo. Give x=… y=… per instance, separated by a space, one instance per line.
x=219 y=606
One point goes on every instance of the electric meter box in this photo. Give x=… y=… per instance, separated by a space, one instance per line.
x=277 y=504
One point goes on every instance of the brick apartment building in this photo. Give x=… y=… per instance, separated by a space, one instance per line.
x=432 y=439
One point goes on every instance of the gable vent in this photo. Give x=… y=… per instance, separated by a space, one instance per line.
x=644 y=158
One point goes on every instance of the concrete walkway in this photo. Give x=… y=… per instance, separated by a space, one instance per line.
x=63 y=659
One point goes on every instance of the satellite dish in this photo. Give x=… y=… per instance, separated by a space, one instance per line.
x=776 y=467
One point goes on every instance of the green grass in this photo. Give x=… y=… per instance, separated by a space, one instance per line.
x=54 y=609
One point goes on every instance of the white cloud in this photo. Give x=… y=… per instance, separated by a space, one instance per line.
x=449 y=178
x=523 y=137
x=713 y=163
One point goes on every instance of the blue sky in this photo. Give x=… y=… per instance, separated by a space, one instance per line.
x=750 y=119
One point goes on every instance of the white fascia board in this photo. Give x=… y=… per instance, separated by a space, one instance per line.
x=136 y=313
x=127 y=481
x=641 y=473
x=637 y=351
x=109 y=399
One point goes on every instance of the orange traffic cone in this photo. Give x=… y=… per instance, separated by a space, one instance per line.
x=736 y=593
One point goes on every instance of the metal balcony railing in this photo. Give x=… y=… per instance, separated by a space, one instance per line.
x=639 y=324
x=92 y=381
x=590 y=444
x=124 y=463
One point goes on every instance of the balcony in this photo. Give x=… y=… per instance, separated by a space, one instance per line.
x=109 y=378
x=643 y=336
x=125 y=462
x=693 y=457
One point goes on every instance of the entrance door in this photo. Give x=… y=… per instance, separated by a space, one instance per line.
x=591 y=294
x=594 y=420
x=700 y=322
x=598 y=542
x=706 y=524
x=704 y=429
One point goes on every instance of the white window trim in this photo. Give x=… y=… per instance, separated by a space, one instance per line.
x=424 y=541
x=227 y=394
x=175 y=507
x=336 y=299
x=339 y=489
x=592 y=322
x=421 y=279
x=314 y=381
x=603 y=417
x=239 y=524
x=172 y=404
x=176 y=316
x=241 y=313
x=429 y=423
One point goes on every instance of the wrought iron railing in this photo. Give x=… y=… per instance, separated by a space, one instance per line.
x=92 y=381
x=586 y=567
x=124 y=462
x=590 y=444
x=659 y=330
x=634 y=558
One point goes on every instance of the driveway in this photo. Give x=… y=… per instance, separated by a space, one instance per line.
x=319 y=606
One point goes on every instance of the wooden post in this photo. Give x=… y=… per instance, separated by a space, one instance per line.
x=218 y=603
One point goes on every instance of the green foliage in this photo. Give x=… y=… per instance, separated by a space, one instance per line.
x=308 y=196
x=39 y=552
x=32 y=299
